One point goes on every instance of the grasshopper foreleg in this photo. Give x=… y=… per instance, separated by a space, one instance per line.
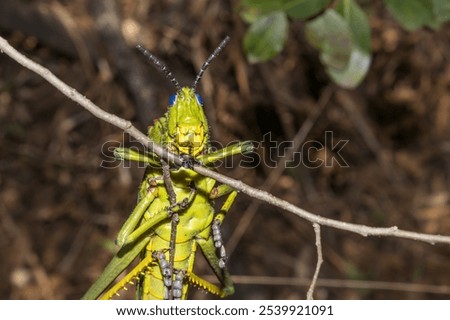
x=183 y=204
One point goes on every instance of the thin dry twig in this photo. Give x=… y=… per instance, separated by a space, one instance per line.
x=74 y=95
x=125 y=125
x=309 y=294
x=340 y=283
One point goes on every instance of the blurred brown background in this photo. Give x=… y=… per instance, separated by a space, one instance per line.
x=60 y=210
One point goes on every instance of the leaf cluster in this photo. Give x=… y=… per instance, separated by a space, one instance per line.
x=339 y=30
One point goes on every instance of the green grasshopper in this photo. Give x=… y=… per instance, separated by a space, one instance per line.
x=167 y=243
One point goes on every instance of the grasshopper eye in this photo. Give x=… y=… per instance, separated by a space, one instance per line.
x=172 y=99
x=199 y=99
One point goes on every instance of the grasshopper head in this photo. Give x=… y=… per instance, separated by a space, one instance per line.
x=187 y=127
x=187 y=124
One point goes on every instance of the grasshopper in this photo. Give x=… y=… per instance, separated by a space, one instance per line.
x=167 y=245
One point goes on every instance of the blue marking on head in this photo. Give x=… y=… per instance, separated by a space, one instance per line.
x=172 y=99
x=199 y=99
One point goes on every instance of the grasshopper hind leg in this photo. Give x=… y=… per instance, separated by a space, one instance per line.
x=222 y=273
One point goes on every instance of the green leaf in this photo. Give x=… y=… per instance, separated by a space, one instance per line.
x=266 y=37
x=354 y=72
x=302 y=9
x=343 y=39
x=358 y=23
x=413 y=14
x=331 y=35
x=441 y=9
x=299 y=9
x=249 y=14
x=265 y=6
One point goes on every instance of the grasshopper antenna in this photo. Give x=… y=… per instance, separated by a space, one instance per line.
x=208 y=61
x=160 y=65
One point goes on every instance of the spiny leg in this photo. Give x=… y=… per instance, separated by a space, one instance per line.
x=209 y=251
x=206 y=285
x=139 y=270
x=128 y=279
x=127 y=253
x=158 y=217
x=119 y=262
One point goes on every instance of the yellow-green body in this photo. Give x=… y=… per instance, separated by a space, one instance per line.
x=194 y=223
x=183 y=130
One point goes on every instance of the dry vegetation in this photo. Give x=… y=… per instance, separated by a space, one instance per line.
x=60 y=210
